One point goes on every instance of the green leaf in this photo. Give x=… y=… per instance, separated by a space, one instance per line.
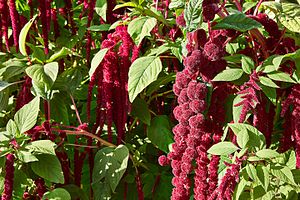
x=4 y=85
x=176 y=4
x=283 y=173
x=26 y=117
x=290 y=16
x=256 y=138
x=267 y=153
x=160 y=82
x=110 y=165
x=76 y=192
x=239 y=189
x=101 y=8
x=251 y=171
x=42 y=147
x=223 y=148
x=160 y=132
x=247 y=64
x=280 y=76
x=48 y=167
x=59 y=108
x=38 y=52
x=291 y=162
x=242 y=138
x=57 y=194
x=43 y=77
x=270 y=93
x=263 y=176
x=12 y=129
x=23 y=35
x=193 y=15
x=140 y=110
x=60 y=54
x=25 y=156
x=101 y=27
x=141 y=27
x=248 y=5
x=239 y=22
x=97 y=59
x=296 y=175
x=229 y=75
x=127 y=4
x=142 y=72
x=267 y=82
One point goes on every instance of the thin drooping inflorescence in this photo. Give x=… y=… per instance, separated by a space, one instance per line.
x=9 y=177
x=14 y=16
x=43 y=15
x=111 y=80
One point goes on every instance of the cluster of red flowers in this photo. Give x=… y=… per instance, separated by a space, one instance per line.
x=111 y=79
x=193 y=133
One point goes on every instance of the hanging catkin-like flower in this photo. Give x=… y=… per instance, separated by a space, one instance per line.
x=91 y=7
x=24 y=95
x=5 y=21
x=43 y=14
x=1 y=33
x=14 y=16
x=293 y=100
x=40 y=187
x=249 y=96
x=9 y=177
x=111 y=79
x=69 y=11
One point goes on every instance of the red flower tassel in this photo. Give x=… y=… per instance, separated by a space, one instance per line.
x=4 y=20
x=14 y=16
x=43 y=14
x=9 y=177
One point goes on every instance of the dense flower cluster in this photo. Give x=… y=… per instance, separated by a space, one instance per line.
x=210 y=9
x=9 y=177
x=292 y=121
x=188 y=132
x=111 y=79
x=249 y=96
x=228 y=182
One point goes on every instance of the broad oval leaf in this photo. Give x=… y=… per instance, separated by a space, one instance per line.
x=142 y=72
x=26 y=117
x=223 y=148
x=239 y=22
x=110 y=165
x=97 y=59
x=43 y=77
x=26 y=157
x=256 y=138
x=280 y=76
x=283 y=174
x=160 y=132
x=193 y=14
x=49 y=168
x=267 y=82
x=247 y=64
x=60 y=54
x=290 y=16
x=57 y=194
x=229 y=75
x=141 y=27
x=42 y=147
x=267 y=153
x=140 y=110
x=101 y=8
x=23 y=35
x=4 y=85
